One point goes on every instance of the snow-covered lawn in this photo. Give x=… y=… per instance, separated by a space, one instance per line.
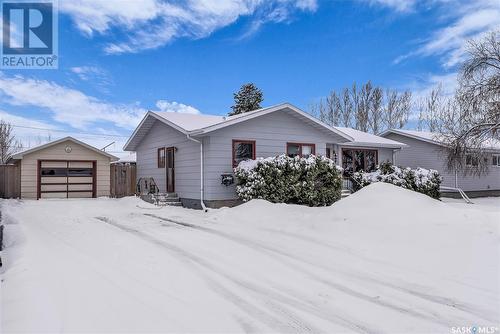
x=382 y=260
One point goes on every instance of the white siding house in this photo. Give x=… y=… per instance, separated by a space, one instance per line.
x=262 y=133
x=424 y=151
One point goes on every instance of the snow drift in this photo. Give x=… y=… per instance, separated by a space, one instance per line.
x=382 y=260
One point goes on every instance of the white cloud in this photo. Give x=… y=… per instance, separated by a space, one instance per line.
x=95 y=75
x=24 y=122
x=67 y=105
x=467 y=20
x=176 y=107
x=86 y=73
x=27 y=130
x=423 y=87
x=150 y=24
x=31 y=133
x=397 y=5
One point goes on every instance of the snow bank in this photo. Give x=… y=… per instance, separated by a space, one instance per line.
x=383 y=260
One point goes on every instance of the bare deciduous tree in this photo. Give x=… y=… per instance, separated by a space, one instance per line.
x=397 y=109
x=362 y=114
x=334 y=109
x=376 y=115
x=471 y=122
x=364 y=109
x=8 y=143
x=434 y=108
x=346 y=108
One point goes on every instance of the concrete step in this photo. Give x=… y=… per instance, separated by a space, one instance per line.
x=167 y=199
x=166 y=195
x=345 y=193
x=169 y=204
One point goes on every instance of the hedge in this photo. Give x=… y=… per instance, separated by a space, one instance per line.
x=313 y=181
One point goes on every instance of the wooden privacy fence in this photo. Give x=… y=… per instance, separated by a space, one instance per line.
x=10 y=181
x=123 y=180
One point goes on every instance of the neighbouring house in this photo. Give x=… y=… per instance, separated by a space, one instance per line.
x=193 y=155
x=64 y=168
x=426 y=151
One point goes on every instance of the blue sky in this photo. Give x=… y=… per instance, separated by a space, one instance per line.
x=118 y=59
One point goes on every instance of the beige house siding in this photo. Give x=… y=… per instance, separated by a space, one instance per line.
x=57 y=152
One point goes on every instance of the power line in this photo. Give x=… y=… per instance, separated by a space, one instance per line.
x=64 y=131
x=23 y=148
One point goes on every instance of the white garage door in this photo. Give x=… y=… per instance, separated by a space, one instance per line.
x=66 y=179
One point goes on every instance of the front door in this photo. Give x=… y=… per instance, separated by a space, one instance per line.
x=170 y=170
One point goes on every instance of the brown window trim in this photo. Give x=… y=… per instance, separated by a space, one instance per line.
x=341 y=160
x=300 y=147
x=161 y=164
x=243 y=142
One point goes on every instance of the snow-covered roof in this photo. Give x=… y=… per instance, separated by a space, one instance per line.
x=191 y=122
x=434 y=138
x=19 y=155
x=361 y=138
x=430 y=137
x=200 y=124
x=130 y=158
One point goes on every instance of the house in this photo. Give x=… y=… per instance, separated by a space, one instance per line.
x=64 y=168
x=426 y=151
x=191 y=154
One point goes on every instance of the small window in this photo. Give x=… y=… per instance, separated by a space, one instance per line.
x=53 y=172
x=301 y=150
x=161 y=157
x=496 y=160
x=471 y=160
x=328 y=153
x=243 y=150
x=80 y=172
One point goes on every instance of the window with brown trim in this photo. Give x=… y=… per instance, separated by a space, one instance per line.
x=471 y=160
x=300 y=149
x=243 y=150
x=355 y=160
x=495 y=160
x=161 y=157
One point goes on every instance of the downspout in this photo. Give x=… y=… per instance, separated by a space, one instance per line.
x=201 y=170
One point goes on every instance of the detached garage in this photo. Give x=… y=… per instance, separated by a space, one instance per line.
x=65 y=168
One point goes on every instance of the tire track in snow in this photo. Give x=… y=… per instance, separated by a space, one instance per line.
x=445 y=301
x=293 y=323
x=432 y=316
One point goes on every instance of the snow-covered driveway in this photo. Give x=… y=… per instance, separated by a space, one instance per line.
x=382 y=260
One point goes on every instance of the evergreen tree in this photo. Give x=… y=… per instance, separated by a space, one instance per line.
x=248 y=98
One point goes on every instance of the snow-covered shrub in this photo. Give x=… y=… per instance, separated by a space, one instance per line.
x=425 y=181
x=313 y=181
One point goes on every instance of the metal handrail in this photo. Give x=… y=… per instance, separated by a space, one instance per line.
x=152 y=185
x=349 y=181
x=460 y=191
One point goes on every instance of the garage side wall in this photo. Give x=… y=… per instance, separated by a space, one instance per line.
x=57 y=152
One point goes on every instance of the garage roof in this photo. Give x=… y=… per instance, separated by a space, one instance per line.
x=20 y=155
